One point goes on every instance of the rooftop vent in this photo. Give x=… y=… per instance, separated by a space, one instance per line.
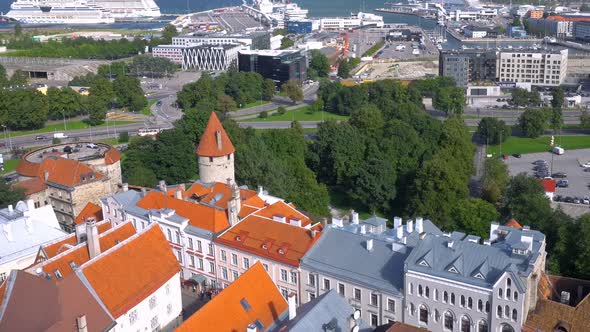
x=565 y=297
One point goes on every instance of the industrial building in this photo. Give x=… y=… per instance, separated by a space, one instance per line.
x=468 y=66
x=280 y=66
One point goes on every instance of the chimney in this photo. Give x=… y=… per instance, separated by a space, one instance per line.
x=30 y=205
x=580 y=292
x=355 y=217
x=410 y=226
x=292 y=306
x=363 y=229
x=419 y=224
x=370 y=244
x=143 y=192
x=337 y=222
x=10 y=209
x=565 y=297
x=314 y=233
x=450 y=244
x=92 y=239
x=81 y=323
x=125 y=187
x=400 y=231
x=260 y=190
x=162 y=186
x=397 y=221
x=486 y=242
x=80 y=230
x=178 y=194
x=251 y=328
x=218 y=140
x=46 y=175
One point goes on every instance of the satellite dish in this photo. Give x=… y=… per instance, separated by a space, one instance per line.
x=356 y=315
x=355 y=328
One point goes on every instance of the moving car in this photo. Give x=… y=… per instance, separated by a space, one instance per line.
x=40 y=138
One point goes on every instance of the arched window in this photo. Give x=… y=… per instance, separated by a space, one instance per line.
x=419 y=290
x=445 y=297
x=448 y=321
x=500 y=293
x=507 y=328
x=462 y=301
x=508 y=293
x=435 y=294
x=470 y=303
x=465 y=324
x=437 y=315
x=487 y=307
x=499 y=312
x=411 y=288
x=560 y=329
x=423 y=314
x=514 y=314
x=427 y=292
x=482 y=326
x=507 y=311
x=412 y=309
x=508 y=282
x=515 y=296
x=453 y=298
x=479 y=305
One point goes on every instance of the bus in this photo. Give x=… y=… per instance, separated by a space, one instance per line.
x=149 y=131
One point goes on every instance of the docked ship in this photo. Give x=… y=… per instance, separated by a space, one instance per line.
x=80 y=11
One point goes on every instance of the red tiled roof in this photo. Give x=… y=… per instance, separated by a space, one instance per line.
x=226 y=311
x=569 y=19
x=548 y=184
x=283 y=209
x=112 y=156
x=61 y=245
x=513 y=223
x=208 y=146
x=220 y=190
x=201 y=216
x=125 y=276
x=31 y=186
x=284 y=243
x=62 y=171
x=79 y=254
x=91 y=210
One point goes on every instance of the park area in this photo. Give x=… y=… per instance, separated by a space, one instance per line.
x=301 y=114
x=514 y=145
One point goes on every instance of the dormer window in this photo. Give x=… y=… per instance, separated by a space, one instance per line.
x=453 y=270
x=423 y=263
x=264 y=246
x=238 y=238
x=479 y=276
x=58 y=274
x=281 y=251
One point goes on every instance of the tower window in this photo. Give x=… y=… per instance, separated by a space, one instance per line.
x=210 y=159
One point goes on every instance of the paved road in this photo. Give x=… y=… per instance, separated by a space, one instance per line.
x=278 y=124
x=513 y=121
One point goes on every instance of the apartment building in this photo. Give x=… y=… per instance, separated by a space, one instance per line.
x=468 y=66
x=277 y=65
x=250 y=41
x=536 y=67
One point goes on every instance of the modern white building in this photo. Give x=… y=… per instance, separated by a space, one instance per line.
x=354 y=21
x=537 y=67
x=200 y=56
x=23 y=229
x=170 y=52
x=471 y=14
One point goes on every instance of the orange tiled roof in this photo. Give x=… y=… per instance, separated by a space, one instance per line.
x=253 y=288
x=201 y=216
x=127 y=275
x=284 y=243
x=569 y=19
x=548 y=184
x=220 y=190
x=208 y=145
x=288 y=211
x=513 y=223
x=61 y=245
x=62 y=171
x=31 y=186
x=91 y=210
x=112 y=156
x=2 y=291
x=79 y=254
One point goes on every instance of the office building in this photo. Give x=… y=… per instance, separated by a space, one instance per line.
x=535 y=67
x=547 y=27
x=582 y=31
x=250 y=41
x=468 y=66
x=280 y=66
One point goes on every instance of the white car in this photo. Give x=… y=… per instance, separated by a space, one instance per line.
x=586 y=165
x=586 y=200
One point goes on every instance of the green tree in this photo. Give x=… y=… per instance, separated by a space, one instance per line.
x=526 y=202
x=95 y=108
x=3 y=77
x=293 y=90
x=532 y=123
x=556 y=119
x=124 y=137
x=102 y=91
x=281 y=110
x=63 y=102
x=19 y=78
x=344 y=69
x=474 y=216
x=268 y=89
x=18 y=30
x=582 y=243
x=558 y=98
x=129 y=93
x=23 y=109
x=226 y=104
x=137 y=103
x=168 y=32
x=368 y=119
x=520 y=97
x=585 y=119
x=176 y=165
x=319 y=66
x=516 y=22
x=8 y=195
x=287 y=43
x=450 y=100
x=493 y=131
x=495 y=180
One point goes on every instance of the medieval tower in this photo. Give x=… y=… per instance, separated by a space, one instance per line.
x=216 y=154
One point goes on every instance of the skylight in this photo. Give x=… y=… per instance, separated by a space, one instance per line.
x=245 y=304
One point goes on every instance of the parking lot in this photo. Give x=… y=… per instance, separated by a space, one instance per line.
x=568 y=163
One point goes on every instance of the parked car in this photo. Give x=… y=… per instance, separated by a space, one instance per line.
x=537 y=162
x=586 y=165
x=557 y=198
x=562 y=183
x=68 y=149
x=577 y=200
x=568 y=199
x=586 y=200
x=92 y=146
x=40 y=138
x=559 y=175
x=517 y=155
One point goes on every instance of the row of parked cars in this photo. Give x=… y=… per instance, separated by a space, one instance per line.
x=574 y=200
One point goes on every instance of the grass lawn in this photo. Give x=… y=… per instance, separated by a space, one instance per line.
x=301 y=114
x=254 y=104
x=540 y=144
x=71 y=125
x=147 y=109
x=9 y=165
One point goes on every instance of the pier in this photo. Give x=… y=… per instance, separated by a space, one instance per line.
x=464 y=39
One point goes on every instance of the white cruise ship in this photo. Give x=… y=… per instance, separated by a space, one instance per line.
x=59 y=12
x=131 y=8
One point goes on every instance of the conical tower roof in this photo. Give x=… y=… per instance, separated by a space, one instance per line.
x=215 y=142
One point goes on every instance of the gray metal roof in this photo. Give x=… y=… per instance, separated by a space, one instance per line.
x=126 y=198
x=343 y=254
x=328 y=312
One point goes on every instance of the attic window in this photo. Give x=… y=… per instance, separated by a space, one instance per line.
x=72 y=264
x=453 y=270
x=245 y=304
x=83 y=177
x=238 y=238
x=117 y=241
x=58 y=274
x=479 y=276
x=281 y=251
x=264 y=246
x=423 y=263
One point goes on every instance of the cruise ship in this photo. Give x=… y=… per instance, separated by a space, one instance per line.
x=80 y=11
